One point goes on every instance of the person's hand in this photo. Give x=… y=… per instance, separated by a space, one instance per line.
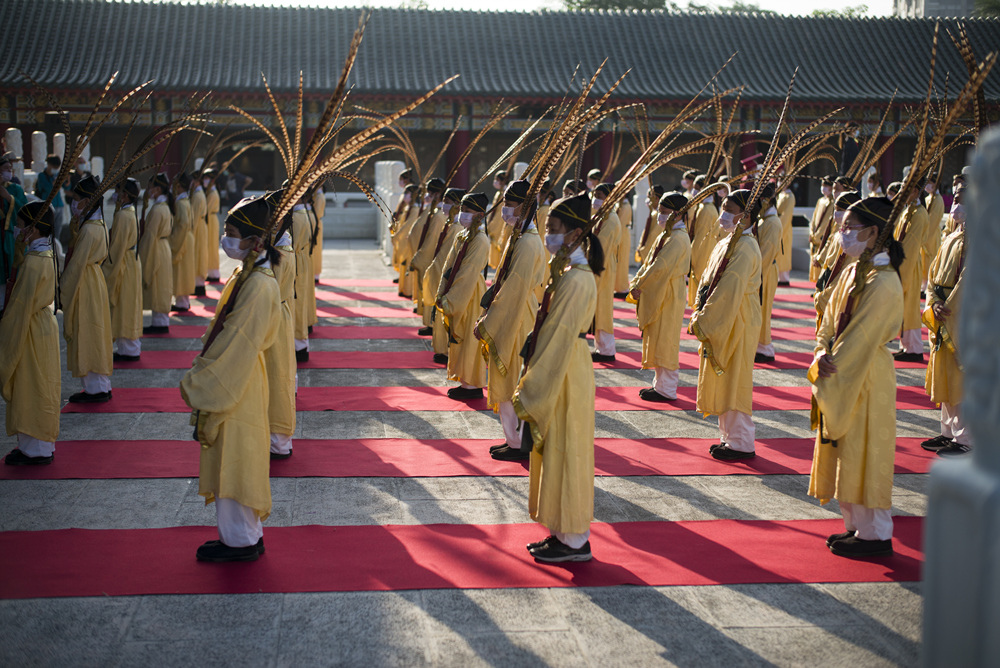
x=941 y=312
x=825 y=366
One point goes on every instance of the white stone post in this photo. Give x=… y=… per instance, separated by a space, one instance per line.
x=962 y=537
x=12 y=138
x=387 y=188
x=59 y=146
x=97 y=167
x=39 y=150
x=519 y=168
x=639 y=212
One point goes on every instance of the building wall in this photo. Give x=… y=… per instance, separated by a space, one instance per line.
x=934 y=8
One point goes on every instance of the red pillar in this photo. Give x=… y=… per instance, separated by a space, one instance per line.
x=607 y=145
x=455 y=149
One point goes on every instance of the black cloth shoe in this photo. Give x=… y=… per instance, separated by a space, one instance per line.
x=259 y=546
x=425 y=331
x=901 y=356
x=217 y=551
x=831 y=539
x=494 y=448
x=509 y=454
x=302 y=355
x=118 y=357
x=275 y=456
x=315 y=281
x=395 y=280
x=621 y=295
x=416 y=310
x=309 y=329
x=440 y=358
x=852 y=546
x=649 y=394
x=937 y=443
x=17 y=458
x=464 y=394
x=555 y=552
x=156 y=329
x=179 y=309
x=540 y=543
x=783 y=284
x=84 y=398
x=598 y=357
x=954 y=450
x=727 y=454
x=715 y=446
x=213 y=280
x=761 y=358
x=199 y=291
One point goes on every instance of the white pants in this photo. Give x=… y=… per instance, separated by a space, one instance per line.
x=32 y=447
x=604 y=343
x=784 y=277
x=765 y=350
x=199 y=282
x=95 y=383
x=182 y=301
x=868 y=523
x=281 y=444
x=213 y=275
x=910 y=341
x=466 y=386
x=573 y=540
x=301 y=344
x=159 y=320
x=509 y=422
x=738 y=431
x=132 y=347
x=953 y=426
x=665 y=381
x=239 y=525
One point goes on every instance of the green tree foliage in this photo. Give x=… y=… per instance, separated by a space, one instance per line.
x=734 y=7
x=987 y=7
x=857 y=11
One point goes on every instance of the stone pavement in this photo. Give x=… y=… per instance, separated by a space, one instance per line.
x=783 y=624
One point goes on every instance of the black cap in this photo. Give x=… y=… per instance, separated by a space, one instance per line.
x=476 y=201
x=160 y=180
x=575 y=185
x=690 y=174
x=604 y=188
x=573 y=211
x=250 y=215
x=517 y=191
x=184 y=180
x=435 y=186
x=594 y=174
x=131 y=187
x=740 y=197
x=674 y=201
x=658 y=190
x=406 y=174
x=87 y=187
x=846 y=199
x=454 y=194
x=34 y=214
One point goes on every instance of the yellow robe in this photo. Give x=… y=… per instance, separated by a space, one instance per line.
x=182 y=248
x=305 y=289
x=932 y=238
x=212 y=225
x=460 y=305
x=910 y=231
x=494 y=227
x=624 y=256
x=84 y=295
x=319 y=210
x=431 y=283
x=769 y=242
x=279 y=359
x=156 y=261
x=228 y=384
x=821 y=298
x=729 y=325
x=944 y=373
x=403 y=251
x=786 y=211
x=199 y=226
x=660 y=310
x=30 y=370
x=642 y=252
x=706 y=228
x=858 y=403
x=123 y=275
x=422 y=258
x=822 y=218
x=609 y=232
x=556 y=399
x=511 y=316
x=540 y=217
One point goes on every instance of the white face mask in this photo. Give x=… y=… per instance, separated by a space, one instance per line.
x=958 y=212
x=597 y=204
x=497 y=185
x=205 y=182
x=826 y=190
x=507 y=213
x=591 y=184
x=83 y=167
x=661 y=219
x=427 y=199
x=850 y=243
x=231 y=247
x=407 y=198
x=929 y=187
x=6 y=175
x=838 y=217
x=465 y=219
x=553 y=242
x=52 y=170
x=446 y=208
x=74 y=207
x=402 y=183
x=686 y=184
x=727 y=221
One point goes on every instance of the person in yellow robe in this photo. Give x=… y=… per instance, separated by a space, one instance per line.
x=944 y=369
x=123 y=275
x=649 y=229
x=834 y=260
x=398 y=215
x=854 y=389
x=702 y=234
x=658 y=289
x=279 y=359
x=910 y=232
x=769 y=242
x=401 y=238
x=199 y=226
x=727 y=324
x=423 y=239
x=510 y=315
x=875 y=185
x=786 y=211
x=555 y=396
x=30 y=373
x=545 y=199
x=445 y=241
x=84 y=298
x=182 y=249
x=956 y=214
x=227 y=390
x=934 y=203
x=305 y=288
x=212 y=224
x=494 y=223
x=155 y=256
x=609 y=231
x=624 y=257
x=458 y=297
x=819 y=225
x=318 y=205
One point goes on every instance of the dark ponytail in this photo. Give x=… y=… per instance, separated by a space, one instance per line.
x=273 y=254
x=595 y=254
x=895 y=251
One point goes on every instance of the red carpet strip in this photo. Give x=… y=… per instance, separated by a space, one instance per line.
x=408 y=331
x=404 y=311
x=363 y=398
x=434 y=458
x=110 y=562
